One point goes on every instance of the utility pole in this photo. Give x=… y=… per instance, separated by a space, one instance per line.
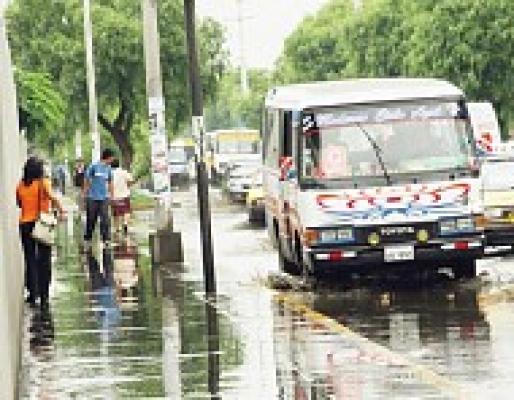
x=158 y=138
x=199 y=134
x=242 y=58
x=91 y=84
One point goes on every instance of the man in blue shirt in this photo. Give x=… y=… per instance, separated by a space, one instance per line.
x=97 y=190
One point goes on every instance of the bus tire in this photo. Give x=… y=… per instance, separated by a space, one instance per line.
x=302 y=267
x=284 y=264
x=272 y=225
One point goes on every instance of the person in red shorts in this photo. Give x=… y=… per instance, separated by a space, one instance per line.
x=121 y=181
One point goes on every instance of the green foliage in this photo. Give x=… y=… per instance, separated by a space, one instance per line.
x=47 y=37
x=41 y=106
x=233 y=108
x=141 y=201
x=469 y=42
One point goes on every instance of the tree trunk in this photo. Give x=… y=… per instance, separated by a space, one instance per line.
x=120 y=131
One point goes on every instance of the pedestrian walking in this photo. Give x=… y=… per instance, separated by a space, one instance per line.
x=121 y=182
x=97 y=190
x=78 y=174
x=78 y=181
x=34 y=196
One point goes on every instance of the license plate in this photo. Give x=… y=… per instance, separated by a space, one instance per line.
x=398 y=253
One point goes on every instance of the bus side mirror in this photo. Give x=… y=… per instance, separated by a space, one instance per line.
x=286 y=164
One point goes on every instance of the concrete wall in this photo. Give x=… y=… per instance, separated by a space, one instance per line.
x=12 y=154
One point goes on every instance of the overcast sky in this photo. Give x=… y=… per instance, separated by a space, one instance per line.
x=267 y=23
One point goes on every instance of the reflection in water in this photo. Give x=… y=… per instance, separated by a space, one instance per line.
x=197 y=340
x=42 y=335
x=103 y=291
x=439 y=329
x=126 y=275
x=213 y=347
x=42 y=350
x=440 y=326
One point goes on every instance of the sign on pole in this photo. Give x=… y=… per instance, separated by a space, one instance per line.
x=158 y=144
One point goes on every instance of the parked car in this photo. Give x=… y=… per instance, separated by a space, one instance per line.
x=238 y=181
x=255 y=200
x=498 y=180
x=229 y=147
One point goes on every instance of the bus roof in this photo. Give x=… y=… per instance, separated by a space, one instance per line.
x=358 y=91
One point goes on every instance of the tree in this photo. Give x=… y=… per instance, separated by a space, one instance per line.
x=469 y=42
x=48 y=38
x=236 y=109
x=41 y=107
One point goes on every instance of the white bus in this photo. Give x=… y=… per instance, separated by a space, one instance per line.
x=232 y=146
x=363 y=173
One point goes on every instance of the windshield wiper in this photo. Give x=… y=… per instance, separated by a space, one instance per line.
x=378 y=153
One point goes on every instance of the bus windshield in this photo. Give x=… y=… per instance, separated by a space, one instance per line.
x=385 y=140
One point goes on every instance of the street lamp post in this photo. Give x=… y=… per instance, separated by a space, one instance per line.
x=199 y=134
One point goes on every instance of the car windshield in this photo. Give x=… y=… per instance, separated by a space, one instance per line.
x=385 y=140
x=177 y=156
x=237 y=147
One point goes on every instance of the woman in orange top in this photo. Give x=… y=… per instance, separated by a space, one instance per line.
x=33 y=196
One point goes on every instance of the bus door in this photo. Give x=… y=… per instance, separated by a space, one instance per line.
x=287 y=175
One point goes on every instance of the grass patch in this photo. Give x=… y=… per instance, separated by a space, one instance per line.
x=141 y=201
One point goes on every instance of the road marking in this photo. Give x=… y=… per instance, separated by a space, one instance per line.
x=424 y=374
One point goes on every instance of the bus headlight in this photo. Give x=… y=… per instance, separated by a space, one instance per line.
x=465 y=224
x=447 y=226
x=345 y=234
x=456 y=225
x=328 y=235
x=320 y=236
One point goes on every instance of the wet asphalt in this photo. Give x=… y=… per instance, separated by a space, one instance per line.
x=119 y=327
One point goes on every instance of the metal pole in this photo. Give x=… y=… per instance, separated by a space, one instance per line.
x=158 y=139
x=198 y=131
x=91 y=84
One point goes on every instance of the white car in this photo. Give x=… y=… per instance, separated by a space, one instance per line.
x=239 y=180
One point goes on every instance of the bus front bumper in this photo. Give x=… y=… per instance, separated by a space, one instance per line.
x=438 y=253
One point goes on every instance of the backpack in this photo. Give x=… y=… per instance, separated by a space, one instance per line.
x=78 y=178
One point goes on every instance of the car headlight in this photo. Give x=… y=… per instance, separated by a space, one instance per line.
x=465 y=224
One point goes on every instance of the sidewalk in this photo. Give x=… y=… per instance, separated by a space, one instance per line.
x=118 y=328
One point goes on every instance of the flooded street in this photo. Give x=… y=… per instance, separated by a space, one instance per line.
x=120 y=328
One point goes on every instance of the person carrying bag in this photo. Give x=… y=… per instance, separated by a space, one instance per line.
x=34 y=197
x=44 y=228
